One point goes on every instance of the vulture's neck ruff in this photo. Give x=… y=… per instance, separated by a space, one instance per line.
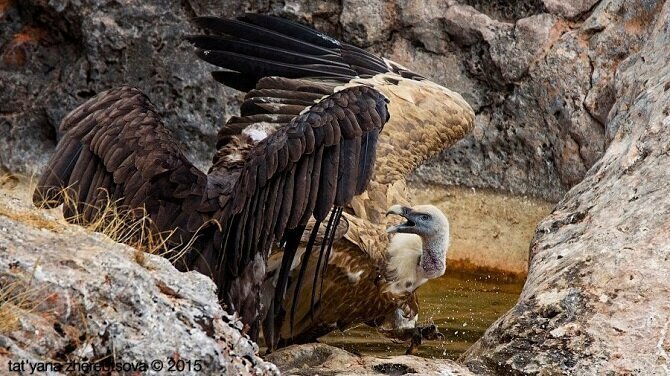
x=418 y=250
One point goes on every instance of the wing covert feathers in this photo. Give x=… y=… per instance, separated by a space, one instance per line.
x=303 y=157
x=115 y=149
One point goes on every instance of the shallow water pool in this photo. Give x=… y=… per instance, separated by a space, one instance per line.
x=462 y=305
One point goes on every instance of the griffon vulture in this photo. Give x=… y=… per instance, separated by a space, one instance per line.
x=371 y=277
x=306 y=150
x=366 y=268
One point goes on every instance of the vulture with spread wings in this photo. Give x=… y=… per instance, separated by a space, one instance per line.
x=305 y=151
x=375 y=267
x=305 y=143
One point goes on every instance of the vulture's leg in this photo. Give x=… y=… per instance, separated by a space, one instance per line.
x=414 y=336
x=427 y=332
x=414 y=342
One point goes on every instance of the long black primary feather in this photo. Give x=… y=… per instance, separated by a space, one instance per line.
x=236 y=80
x=250 y=32
x=329 y=248
x=292 y=239
x=292 y=29
x=301 y=274
x=329 y=228
x=256 y=66
x=222 y=43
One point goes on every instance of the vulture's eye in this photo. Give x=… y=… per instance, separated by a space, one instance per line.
x=425 y=217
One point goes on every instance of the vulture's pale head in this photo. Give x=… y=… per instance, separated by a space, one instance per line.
x=422 y=220
x=432 y=227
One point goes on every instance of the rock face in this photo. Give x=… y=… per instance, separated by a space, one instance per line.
x=57 y=54
x=95 y=303
x=540 y=75
x=320 y=359
x=597 y=298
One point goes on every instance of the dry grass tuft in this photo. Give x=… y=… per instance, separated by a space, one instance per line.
x=121 y=224
x=31 y=218
x=124 y=225
x=17 y=299
x=10 y=182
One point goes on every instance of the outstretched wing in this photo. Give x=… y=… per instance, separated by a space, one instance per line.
x=425 y=117
x=269 y=182
x=285 y=68
x=260 y=189
x=115 y=149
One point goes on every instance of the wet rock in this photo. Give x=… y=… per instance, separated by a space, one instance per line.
x=597 y=296
x=67 y=295
x=320 y=359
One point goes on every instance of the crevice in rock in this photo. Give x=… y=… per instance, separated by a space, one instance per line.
x=588 y=91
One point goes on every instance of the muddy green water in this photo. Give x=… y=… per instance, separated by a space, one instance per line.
x=462 y=305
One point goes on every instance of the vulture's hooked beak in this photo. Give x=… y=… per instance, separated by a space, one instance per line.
x=404 y=212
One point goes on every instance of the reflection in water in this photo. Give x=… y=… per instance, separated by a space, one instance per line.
x=462 y=305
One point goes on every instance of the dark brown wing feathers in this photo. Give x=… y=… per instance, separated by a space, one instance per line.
x=298 y=149
x=119 y=149
x=306 y=156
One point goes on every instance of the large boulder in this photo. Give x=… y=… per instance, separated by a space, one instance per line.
x=69 y=296
x=543 y=91
x=597 y=298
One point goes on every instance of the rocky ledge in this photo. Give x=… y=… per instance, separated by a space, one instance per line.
x=69 y=297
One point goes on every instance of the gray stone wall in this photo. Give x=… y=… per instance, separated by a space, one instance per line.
x=540 y=75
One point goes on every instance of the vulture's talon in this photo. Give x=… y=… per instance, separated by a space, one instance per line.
x=431 y=332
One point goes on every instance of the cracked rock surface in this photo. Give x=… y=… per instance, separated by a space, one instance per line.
x=71 y=296
x=539 y=74
x=597 y=298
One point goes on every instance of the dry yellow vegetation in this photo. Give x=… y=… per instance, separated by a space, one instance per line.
x=123 y=226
